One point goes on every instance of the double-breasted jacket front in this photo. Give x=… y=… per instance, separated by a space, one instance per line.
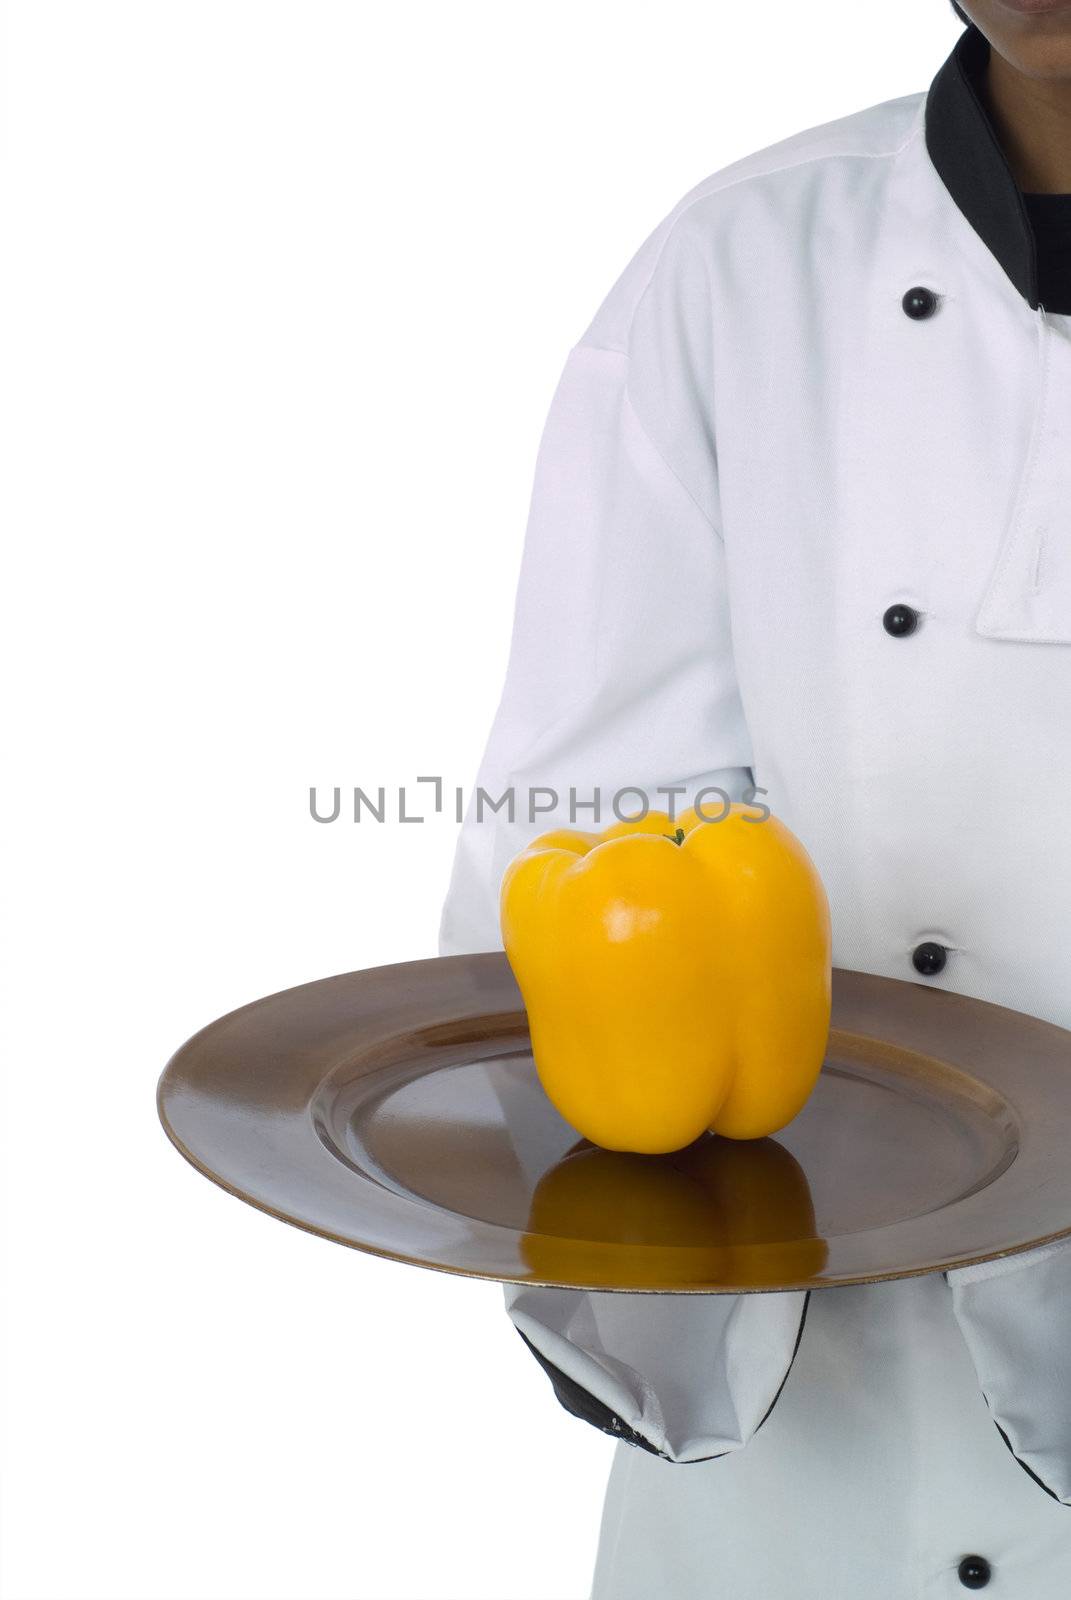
x=802 y=518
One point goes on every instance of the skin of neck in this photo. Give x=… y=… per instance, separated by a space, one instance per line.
x=1027 y=88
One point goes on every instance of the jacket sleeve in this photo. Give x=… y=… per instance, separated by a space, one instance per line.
x=620 y=674
x=1015 y=1315
x=621 y=683
x=686 y=1377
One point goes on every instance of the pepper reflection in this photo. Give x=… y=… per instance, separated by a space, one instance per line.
x=744 y=1205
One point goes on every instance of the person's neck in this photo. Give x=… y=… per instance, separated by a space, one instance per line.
x=1033 y=119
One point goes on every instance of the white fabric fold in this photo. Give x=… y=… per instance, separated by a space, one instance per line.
x=695 y=1375
x=1015 y=1315
x=621 y=680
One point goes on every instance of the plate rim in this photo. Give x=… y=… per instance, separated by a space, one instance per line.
x=476 y=968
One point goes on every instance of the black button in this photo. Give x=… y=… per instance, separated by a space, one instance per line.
x=929 y=959
x=974 y=1572
x=900 y=620
x=919 y=302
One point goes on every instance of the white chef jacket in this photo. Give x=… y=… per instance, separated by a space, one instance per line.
x=822 y=388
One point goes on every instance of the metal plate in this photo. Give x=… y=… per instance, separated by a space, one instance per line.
x=397 y=1110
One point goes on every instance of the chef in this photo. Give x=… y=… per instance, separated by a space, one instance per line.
x=801 y=520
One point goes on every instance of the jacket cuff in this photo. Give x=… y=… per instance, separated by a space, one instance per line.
x=685 y=1377
x=1015 y=1316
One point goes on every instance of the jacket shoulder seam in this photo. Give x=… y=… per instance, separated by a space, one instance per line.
x=716 y=188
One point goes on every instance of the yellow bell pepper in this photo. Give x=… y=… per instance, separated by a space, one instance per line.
x=676 y=975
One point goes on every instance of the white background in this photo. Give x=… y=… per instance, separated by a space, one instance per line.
x=286 y=287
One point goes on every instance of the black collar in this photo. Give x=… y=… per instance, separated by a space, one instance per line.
x=970 y=160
